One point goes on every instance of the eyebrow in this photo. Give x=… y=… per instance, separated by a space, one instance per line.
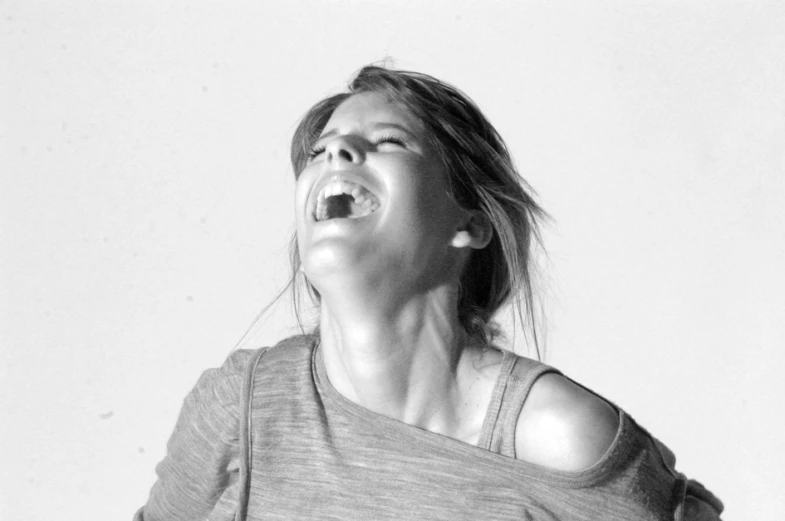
x=374 y=127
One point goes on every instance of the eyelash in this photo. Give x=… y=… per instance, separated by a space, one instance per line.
x=389 y=139
x=316 y=150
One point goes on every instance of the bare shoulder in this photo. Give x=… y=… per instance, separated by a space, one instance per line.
x=563 y=426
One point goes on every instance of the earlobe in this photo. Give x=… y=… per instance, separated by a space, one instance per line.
x=461 y=239
x=476 y=233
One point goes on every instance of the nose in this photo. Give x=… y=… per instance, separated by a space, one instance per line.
x=343 y=149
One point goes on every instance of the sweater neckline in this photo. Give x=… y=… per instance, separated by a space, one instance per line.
x=437 y=443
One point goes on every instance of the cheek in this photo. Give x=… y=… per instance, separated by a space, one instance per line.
x=300 y=205
x=423 y=181
x=435 y=200
x=302 y=190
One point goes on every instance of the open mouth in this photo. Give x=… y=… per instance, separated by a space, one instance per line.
x=341 y=199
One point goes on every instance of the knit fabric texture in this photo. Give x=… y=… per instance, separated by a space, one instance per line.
x=315 y=455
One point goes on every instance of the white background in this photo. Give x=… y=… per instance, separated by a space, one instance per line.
x=146 y=205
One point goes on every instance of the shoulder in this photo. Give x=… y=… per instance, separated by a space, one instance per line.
x=216 y=395
x=233 y=371
x=218 y=388
x=564 y=426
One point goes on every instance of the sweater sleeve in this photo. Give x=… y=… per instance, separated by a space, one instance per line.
x=198 y=478
x=693 y=502
x=700 y=504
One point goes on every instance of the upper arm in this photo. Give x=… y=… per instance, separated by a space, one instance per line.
x=563 y=426
x=202 y=458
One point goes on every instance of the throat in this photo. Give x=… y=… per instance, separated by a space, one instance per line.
x=418 y=388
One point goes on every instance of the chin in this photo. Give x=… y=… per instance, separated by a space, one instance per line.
x=328 y=259
x=337 y=266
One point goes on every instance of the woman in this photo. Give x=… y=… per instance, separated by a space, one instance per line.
x=413 y=229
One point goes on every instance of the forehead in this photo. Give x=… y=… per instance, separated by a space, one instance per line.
x=368 y=109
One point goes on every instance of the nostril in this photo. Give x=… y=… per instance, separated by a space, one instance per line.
x=342 y=149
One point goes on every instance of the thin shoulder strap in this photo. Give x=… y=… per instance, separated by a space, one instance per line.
x=246 y=416
x=524 y=374
x=492 y=416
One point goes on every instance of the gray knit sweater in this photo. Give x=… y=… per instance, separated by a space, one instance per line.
x=315 y=455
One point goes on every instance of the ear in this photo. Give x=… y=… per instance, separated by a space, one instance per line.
x=476 y=232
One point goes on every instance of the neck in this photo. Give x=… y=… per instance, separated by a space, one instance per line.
x=408 y=363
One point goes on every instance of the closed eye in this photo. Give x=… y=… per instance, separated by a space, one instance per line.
x=315 y=152
x=389 y=139
x=318 y=150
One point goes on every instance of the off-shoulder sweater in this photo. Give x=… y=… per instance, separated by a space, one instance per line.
x=312 y=454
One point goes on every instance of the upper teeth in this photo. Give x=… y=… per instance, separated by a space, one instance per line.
x=362 y=197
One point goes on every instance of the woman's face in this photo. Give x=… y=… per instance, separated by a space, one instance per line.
x=372 y=203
